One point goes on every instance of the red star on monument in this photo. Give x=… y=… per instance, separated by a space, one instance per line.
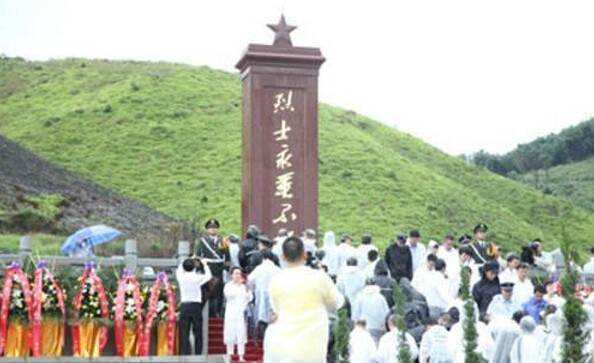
x=281 y=33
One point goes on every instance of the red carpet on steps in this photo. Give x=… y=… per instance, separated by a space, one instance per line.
x=216 y=346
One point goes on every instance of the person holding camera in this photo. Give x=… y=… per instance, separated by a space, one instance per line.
x=191 y=275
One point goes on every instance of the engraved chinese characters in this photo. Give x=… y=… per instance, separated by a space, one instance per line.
x=283 y=106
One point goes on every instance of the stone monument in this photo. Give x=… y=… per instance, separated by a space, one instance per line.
x=280 y=134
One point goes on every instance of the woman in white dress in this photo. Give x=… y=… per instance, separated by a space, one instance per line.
x=237 y=296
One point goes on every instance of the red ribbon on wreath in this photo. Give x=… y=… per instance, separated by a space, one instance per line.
x=89 y=272
x=14 y=269
x=119 y=322
x=152 y=312
x=37 y=305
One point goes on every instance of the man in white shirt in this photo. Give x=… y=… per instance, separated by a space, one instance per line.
x=417 y=249
x=372 y=259
x=371 y=306
x=345 y=251
x=509 y=273
x=389 y=344
x=523 y=287
x=421 y=275
x=277 y=248
x=351 y=280
x=504 y=305
x=466 y=259
x=361 y=345
x=191 y=275
x=363 y=250
x=309 y=241
x=434 y=346
x=450 y=255
x=436 y=289
x=589 y=266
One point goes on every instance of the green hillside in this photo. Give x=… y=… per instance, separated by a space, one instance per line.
x=169 y=136
x=573 y=181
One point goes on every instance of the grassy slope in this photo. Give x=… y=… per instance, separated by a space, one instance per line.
x=571 y=181
x=42 y=243
x=170 y=135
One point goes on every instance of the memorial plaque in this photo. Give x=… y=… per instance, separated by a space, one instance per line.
x=280 y=134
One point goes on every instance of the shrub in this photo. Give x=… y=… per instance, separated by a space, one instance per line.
x=29 y=219
x=47 y=205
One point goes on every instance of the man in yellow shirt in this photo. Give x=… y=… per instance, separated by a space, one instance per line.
x=301 y=298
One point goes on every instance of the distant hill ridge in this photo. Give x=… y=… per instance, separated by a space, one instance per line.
x=573 y=181
x=169 y=135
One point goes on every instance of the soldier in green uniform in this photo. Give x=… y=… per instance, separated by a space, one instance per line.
x=482 y=251
x=211 y=249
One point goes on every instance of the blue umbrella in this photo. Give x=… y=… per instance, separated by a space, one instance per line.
x=94 y=236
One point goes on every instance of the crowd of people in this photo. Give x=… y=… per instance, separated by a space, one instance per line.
x=287 y=290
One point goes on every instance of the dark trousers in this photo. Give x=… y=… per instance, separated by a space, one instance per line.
x=190 y=317
x=215 y=300
x=262 y=326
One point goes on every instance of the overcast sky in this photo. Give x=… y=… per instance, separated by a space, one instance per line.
x=461 y=75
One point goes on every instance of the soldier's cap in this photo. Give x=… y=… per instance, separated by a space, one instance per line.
x=506 y=285
x=212 y=223
x=481 y=227
x=464 y=239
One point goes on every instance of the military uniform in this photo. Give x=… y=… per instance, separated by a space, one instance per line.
x=211 y=249
x=482 y=251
